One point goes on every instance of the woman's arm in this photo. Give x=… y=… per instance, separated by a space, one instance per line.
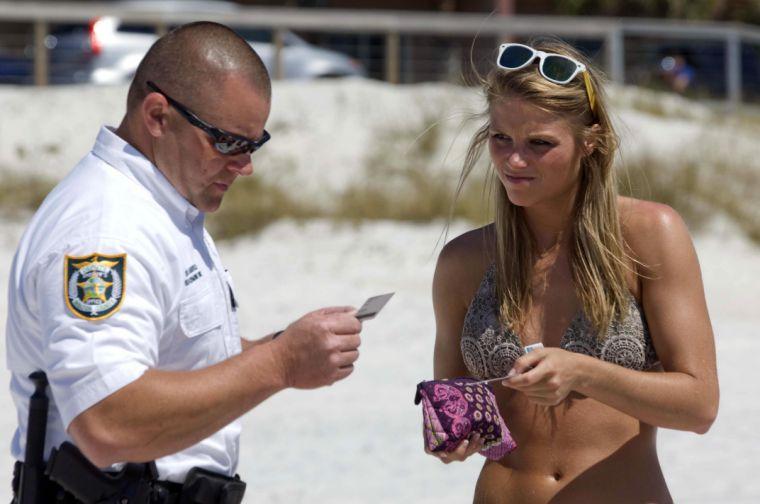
x=455 y=274
x=452 y=288
x=685 y=396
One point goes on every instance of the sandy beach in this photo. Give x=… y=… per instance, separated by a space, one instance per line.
x=359 y=441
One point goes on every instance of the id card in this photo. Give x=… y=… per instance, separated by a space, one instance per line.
x=372 y=306
x=534 y=346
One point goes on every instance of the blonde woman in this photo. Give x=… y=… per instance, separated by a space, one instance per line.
x=610 y=286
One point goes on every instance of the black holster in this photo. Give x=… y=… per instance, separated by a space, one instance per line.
x=205 y=487
x=137 y=483
x=29 y=477
x=69 y=468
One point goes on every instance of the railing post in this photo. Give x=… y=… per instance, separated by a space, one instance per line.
x=41 y=66
x=392 y=53
x=733 y=68
x=615 y=54
x=279 y=64
x=161 y=28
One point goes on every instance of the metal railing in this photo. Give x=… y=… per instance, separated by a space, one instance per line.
x=614 y=33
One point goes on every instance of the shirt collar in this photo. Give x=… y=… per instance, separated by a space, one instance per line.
x=112 y=149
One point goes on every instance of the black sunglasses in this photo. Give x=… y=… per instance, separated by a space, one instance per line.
x=224 y=141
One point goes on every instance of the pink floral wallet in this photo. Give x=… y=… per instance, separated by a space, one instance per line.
x=453 y=409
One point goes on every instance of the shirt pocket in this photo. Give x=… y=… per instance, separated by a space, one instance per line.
x=200 y=313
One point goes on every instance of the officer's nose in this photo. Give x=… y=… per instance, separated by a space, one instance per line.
x=242 y=165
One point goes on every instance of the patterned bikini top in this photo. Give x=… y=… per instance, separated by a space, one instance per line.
x=490 y=350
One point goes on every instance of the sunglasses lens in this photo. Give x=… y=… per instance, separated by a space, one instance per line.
x=558 y=68
x=231 y=146
x=515 y=56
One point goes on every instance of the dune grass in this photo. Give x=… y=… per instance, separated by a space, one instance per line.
x=399 y=180
x=411 y=185
x=414 y=189
x=678 y=186
x=20 y=195
x=406 y=177
x=698 y=189
x=252 y=204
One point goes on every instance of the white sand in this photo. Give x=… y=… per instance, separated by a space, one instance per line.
x=359 y=441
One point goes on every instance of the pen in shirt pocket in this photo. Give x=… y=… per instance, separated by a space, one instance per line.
x=233 y=302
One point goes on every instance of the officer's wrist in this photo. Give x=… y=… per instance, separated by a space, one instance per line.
x=281 y=359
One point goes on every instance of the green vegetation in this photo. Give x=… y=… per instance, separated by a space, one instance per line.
x=698 y=190
x=413 y=181
x=394 y=184
x=677 y=186
x=411 y=188
x=411 y=185
x=20 y=195
x=252 y=204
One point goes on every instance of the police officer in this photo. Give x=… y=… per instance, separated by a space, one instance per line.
x=117 y=291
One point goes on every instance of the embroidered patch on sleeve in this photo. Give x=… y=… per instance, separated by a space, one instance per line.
x=94 y=285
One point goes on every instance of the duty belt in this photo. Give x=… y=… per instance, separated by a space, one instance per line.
x=200 y=486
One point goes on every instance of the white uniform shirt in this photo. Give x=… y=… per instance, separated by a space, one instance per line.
x=115 y=275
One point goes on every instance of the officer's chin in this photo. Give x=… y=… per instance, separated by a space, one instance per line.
x=208 y=203
x=211 y=207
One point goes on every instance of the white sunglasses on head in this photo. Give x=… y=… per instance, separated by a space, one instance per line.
x=555 y=68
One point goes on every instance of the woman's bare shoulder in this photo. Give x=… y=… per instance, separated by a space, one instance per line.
x=475 y=246
x=652 y=230
x=464 y=260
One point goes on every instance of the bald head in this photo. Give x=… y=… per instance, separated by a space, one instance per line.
x=191 y=61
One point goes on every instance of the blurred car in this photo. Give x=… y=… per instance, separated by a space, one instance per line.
x=108 y=49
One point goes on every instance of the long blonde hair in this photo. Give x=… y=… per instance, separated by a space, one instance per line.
x=598 y=258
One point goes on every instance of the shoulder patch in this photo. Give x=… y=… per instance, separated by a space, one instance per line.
x=94 y=285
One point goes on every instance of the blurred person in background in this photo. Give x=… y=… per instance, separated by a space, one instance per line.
x=609 y=285
x=677 y=72
x=118 y=294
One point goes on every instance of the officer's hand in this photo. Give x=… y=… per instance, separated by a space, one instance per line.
x=320 y=348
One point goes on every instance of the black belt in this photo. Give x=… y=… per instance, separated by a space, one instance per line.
x=200 y=487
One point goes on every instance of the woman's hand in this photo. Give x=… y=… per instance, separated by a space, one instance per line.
x=466 y=448
x=546 y=375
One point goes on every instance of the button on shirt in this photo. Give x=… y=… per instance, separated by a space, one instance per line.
x=173 y=309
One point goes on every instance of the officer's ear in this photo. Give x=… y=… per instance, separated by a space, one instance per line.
x=154 y=111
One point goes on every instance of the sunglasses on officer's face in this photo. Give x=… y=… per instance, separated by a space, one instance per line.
x=556 y=68
x=224 y=142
